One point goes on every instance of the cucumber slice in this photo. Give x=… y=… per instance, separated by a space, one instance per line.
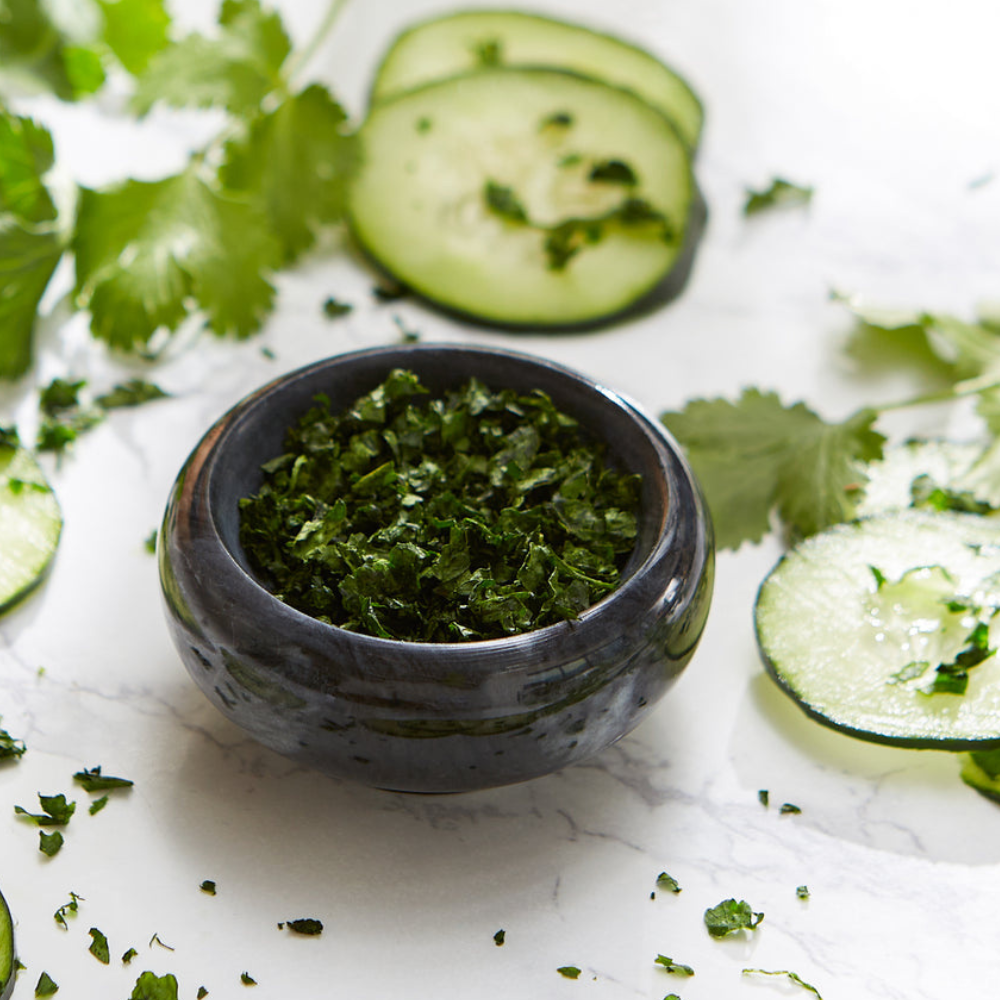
x=420 y=203
x=457 y=43
x=30 y=524
x=6 y=950
x=846 y=648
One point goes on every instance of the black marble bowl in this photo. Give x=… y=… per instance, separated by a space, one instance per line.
x=432 y=717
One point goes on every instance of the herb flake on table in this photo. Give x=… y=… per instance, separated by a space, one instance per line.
x=247 y=980
x=208 y=887
x=11 y=748
x=780 y=193
x=149 y=986
x=729 y=916
x=674 y=968
x=307 y=926
x=99 y=946
x=46 y=986
x=129 y=955
x=569 y=971
x=97 y=805
x=668 y=883
x=500 y=937
x=93 y=780
x=474 y=515
x=56 y=811
x=791 y=976
x=802 y=891
x=71 y=907
x=789 y=809
x=50 y=844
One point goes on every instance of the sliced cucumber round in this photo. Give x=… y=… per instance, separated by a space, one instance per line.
x=457 y=43
x=523 y=197
x=854 y=624
x=6 y=950
x=30 y=523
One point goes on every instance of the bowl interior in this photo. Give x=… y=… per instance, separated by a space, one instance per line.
x=257 y=429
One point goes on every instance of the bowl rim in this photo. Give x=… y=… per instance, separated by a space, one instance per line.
x=671 y=461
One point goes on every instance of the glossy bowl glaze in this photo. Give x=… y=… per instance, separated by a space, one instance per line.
x=432 y=717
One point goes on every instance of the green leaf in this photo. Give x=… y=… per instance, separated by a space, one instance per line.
x=144 y=248
x=135 y=30
x=50 y=844
x=675 y=968
x=730 y=916
x=10 y=747
x=72 y=906
x=569 y=971
x=27 y=261
x=149 y=986
x=234 y=70
x=37 y=54
x=99 y=946
x=56 y=811
x=307 y=926
x=296 y=162
x=756 y=456
x=792 y=976
x=134 y=392
x=26 y=155
x=780 y=193
x=94 y=781
x=46 y=986
x=668 y=882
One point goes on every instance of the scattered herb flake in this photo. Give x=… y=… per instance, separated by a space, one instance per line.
x=500 y=937
x=50 y=844
x=613 y=172
x=390 y=292
x=46 y=986
x=305 y=925
x=149 y=543
x=208 y=887
x=71 y=907
x=501 y=200
x=787 y=808
x=149 y=986
x=247 y=980
x=10 y=747
x=99 y=946
x=569 y=971
x=802 y=891
x=134 y=392
x=764 y=797
x=488 y=51
x=665 y=881
x=97 y=805
x=332 y=308
x=781 y=192
x=56 y=811
x=129 y=955
x=155 y=939
x=675 y=968
x=93 y=780
x=784 y=972
x=729 y=916
x=202 y=993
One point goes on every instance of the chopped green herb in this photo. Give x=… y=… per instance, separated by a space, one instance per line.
x=208 y=887
x=423 y=125
x=675 y=968
x=501 y=200
x=729 y=916
x=202 y=993
x=672 y=996
x=802 y=891
x=488 y=52
x=247 y=980
x=569 y=971
x=65 y=417
x=50 y=844
x=149 y=986
x=500 y=937
x=97 y=805
x=926 y=493
x=475 y=515
x=390 y=292
x=784 y=972
x=10 y=747
x=764 y=797
x=332 y=308
x=781 y=192
x=149 y=542
x=558 y=119
x=93 y=781
x=665 y=881
x=268 y=353
x=788 y=807
x=134 y=392
x=308 y=926
x=953 y=677
x=46 y=986
x=71 y=907
x=99 y=946
x=613 y=172
x=128 y=956
x=56 y=811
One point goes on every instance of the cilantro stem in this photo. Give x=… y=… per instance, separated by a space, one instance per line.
x=302 y=56
x=961 y=390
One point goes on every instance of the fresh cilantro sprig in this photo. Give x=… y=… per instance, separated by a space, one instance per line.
x=729 y=916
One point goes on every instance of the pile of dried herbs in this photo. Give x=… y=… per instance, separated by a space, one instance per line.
x=476 y=515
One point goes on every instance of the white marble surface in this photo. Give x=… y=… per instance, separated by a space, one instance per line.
x=891 y=110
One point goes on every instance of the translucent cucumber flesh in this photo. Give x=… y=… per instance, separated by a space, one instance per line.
x=461 y=42
x=6 y=950
x=30 y=524
x=844 y=650
x=418 y=204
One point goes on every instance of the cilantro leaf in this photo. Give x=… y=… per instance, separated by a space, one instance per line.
x=500 y=937
x=10 y=747
x=234 y=70
x=26 y=155
x=36 y=53
x=56 y=811
x=756 y=456
x=730 y=916
x=208 y=887
x=134 y=392
x=665 y=881
x=307 y=926
x=296 y=162
x=27 y=261
x=99 y=946
x=149 y=986
x=781 y=192
x=144 y=248
x=135 y=30
x=94 y=781
x=97 y=805
x=129 y=955
x=247 y=980
x=794 y=977
x=50 y=844
x=569 y=971
x=71 y=907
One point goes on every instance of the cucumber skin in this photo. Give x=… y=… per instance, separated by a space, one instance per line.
x=773 y=669
x=667 y=286
x=690 y=129
x=7 y=976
